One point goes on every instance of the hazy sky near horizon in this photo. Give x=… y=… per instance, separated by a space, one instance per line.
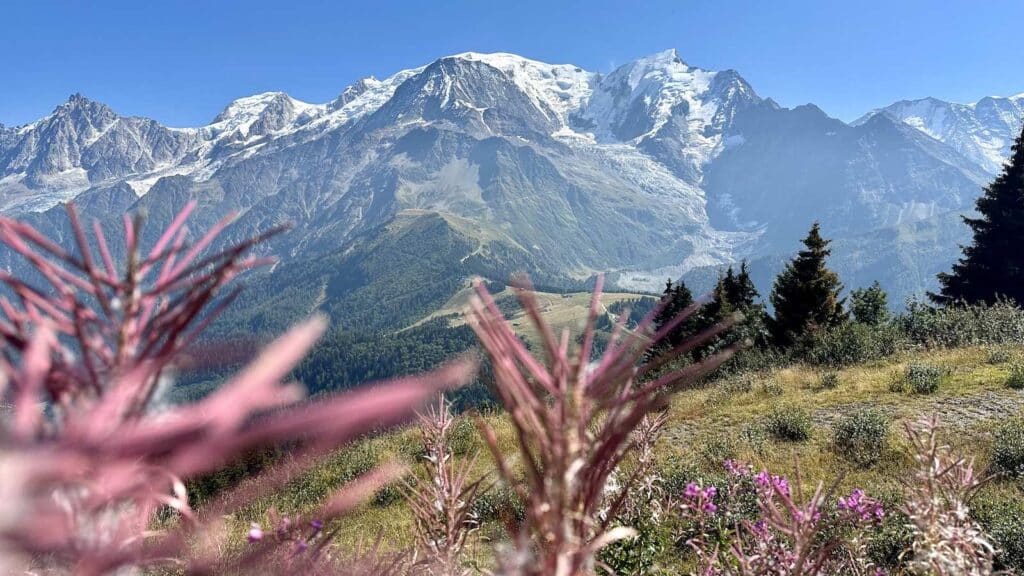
x=181 y=62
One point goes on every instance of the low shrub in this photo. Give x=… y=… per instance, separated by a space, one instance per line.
x=388 y=494
x=340 y=468
x=1015 y=380
x=729 y=387
x=953 y=326
x=886 y=547
x=676 y=473
x=757 y=359
x=755 y=437
x=999 y=356
x=862 y=436
x=718 y=446
x=499 y=503
x=788 y=423
x=828 y=381
x=642 y=554
x=1003 y=519
x=738 y=385
x=922 y=378
x=1008 y=446
x=772 y=388
x=851 y=343
x=463 y=437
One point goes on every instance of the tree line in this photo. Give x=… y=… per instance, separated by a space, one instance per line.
x=806 y=297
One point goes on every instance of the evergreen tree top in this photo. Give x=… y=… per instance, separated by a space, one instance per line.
x=992 y=266
x=806 y=294
x=815 y=243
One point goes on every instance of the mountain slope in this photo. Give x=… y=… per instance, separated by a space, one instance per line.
x=658 y=167
x=981 y=131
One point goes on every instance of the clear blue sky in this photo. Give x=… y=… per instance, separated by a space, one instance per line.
x=181 y=61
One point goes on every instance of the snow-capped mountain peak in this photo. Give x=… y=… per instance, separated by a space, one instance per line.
x=982 y=131
x=636 y=100
x=562 y=88
x=262 y=114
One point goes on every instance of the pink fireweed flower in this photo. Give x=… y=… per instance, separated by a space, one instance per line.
x=576 y=419
x=865 y=508
x=698 y=500
x=255 y=533
x=770 y=481
x=737 y=468
x=97 y=341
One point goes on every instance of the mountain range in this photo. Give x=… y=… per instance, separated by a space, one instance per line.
x=496 y=163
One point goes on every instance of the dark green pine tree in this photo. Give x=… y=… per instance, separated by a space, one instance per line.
x=806 y=294
x=870 y=305
x=733 y=293
x=992 y=267
x=675 y=299
x=739 y=289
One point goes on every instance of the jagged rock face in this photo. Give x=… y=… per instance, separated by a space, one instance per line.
x=657 y=166
x=982 y=131
x=83 y=142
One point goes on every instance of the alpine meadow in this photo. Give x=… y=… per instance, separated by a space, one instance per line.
x=488 y=315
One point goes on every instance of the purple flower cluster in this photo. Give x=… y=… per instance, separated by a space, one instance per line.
x=862 y=506
x=762 y=479
x=287 y=531
x=737 y=468
x=773 y=482
x=699 y=500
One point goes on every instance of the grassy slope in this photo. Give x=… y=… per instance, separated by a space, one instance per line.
x=562 y=311
x=971 y=399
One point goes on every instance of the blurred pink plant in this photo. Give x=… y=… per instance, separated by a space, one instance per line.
x=86 y=461
x=442 y=503
x=946 y=539
x=574 y=420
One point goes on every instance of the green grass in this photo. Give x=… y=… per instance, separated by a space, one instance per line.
x=562 y=311
x=706 y=423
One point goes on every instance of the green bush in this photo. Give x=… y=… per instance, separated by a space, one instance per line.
x=999 y=356
x=828 y=381
x=755 y=437
x=954 y=326
x=870 y=305
x=205 y=487
x=886 y=546
x=851 y=343
x=676 y=473
x=463 y=437
x=1015 y=380
x=772 y=388
x=738 y=385
x=718 y=447
x=862 y=436
x=1002 y=518
x=922 y=378
x=788 y=423
x=1008 y=446
x=641 y=554
x=388 y=494
x=499 y=503
x=757 y=359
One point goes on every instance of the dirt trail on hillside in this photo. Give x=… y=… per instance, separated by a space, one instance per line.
x=957 y=412
x=954 y=411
